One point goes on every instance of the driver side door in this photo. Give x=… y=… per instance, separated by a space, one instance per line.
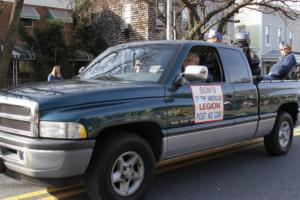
x=201 y=115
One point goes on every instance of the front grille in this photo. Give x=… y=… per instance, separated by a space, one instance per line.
x=19 y=116
x=15 y=124
x=13 y=109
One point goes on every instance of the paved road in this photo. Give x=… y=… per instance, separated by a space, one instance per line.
x=247 y=173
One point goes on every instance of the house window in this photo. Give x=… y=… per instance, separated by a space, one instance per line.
x=291 y=38
x=25 y=66
x=28 y=14
x=267 y=34
x=162 y=10
x=62 y=15
x=27 y=22
x=241 y=28
x=279 y=35
x=126 y=14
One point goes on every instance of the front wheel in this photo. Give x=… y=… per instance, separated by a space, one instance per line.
x=122 y=169
x=280 y=140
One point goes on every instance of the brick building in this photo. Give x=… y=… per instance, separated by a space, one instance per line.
x=35 y=14
x=127 y=20
x=132 y=20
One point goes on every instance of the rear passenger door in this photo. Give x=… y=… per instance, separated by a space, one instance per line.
x=237 y=69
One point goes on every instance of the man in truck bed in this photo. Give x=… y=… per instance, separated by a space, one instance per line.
x=283 y=67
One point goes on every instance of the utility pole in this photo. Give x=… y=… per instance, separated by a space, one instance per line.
x=169 y=16
x=174 y=25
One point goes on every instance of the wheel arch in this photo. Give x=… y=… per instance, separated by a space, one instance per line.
x=291 y=108
x=150 y=131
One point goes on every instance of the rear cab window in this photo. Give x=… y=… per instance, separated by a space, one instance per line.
x=235 y=65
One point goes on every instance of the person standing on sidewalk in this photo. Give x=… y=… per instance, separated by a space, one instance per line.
x=55 y=75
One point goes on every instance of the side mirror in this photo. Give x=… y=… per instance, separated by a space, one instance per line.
x=196 y=73
x=81 y=70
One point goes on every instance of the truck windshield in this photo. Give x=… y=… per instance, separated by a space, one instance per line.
x=141 y=63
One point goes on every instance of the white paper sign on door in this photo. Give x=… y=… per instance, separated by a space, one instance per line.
x=208 y=101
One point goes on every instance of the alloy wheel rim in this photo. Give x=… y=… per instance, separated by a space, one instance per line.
x=284 y=134
x=127 y=173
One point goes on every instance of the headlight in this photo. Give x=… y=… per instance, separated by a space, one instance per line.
x=65 y=130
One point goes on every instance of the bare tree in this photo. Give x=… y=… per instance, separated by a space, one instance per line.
x=204 y=14
x=9 y=41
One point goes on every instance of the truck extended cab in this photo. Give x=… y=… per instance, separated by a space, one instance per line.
x=137 y=104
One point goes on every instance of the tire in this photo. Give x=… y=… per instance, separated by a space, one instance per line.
x=121 y=169
x=280 y=140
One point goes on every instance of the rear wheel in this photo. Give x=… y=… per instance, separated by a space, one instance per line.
x=280 y=140
x=122 y=169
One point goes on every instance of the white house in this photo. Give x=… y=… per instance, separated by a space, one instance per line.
x=266 y=31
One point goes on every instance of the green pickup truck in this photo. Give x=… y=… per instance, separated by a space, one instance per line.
x=135 y=105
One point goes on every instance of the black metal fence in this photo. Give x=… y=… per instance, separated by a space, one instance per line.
x=12 y=82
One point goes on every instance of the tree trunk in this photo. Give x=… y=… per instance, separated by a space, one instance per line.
x=9 y=41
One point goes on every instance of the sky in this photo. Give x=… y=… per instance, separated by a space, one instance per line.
x=49 y=3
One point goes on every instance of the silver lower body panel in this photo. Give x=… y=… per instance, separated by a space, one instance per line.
x=58 y=161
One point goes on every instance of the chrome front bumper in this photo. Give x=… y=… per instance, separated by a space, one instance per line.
x=45 y=158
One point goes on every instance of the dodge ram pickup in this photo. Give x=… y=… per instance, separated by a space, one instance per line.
x=138 y=104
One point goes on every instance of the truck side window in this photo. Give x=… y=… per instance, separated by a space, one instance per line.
x=208 y=57
x=235 y=65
